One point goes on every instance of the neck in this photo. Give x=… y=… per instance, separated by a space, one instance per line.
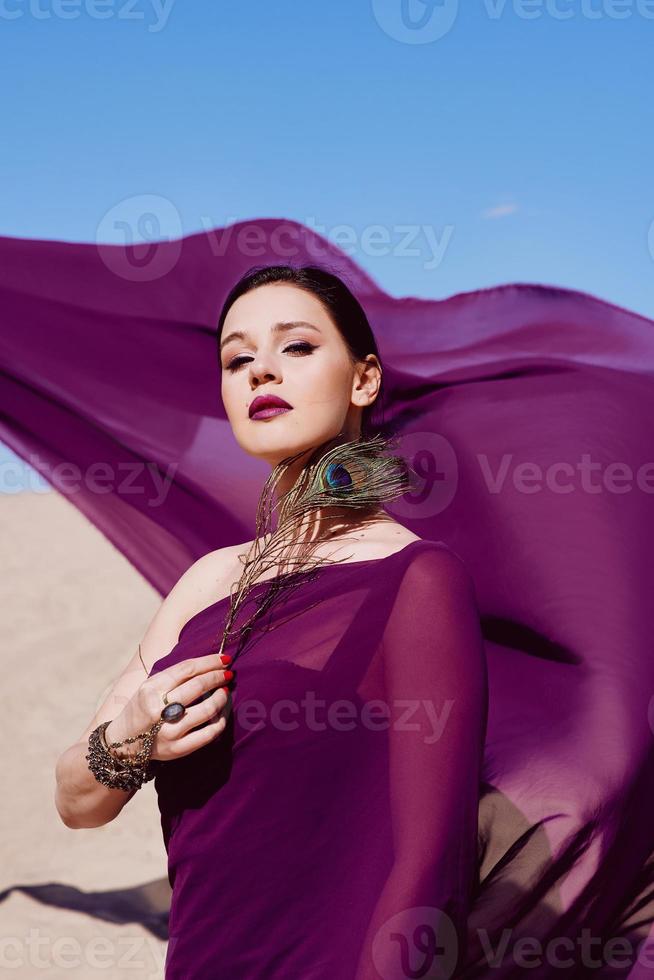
x=325 y=523
x=334 y=523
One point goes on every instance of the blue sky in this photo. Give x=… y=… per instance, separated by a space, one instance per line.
x=513 y=138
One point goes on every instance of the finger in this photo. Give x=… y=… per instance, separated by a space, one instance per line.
x=197 y=715
x=182 y=671
x=224 y=711
x=189 y=691
x=196 y=740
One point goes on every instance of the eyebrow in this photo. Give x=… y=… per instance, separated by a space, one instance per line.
x=280 y=327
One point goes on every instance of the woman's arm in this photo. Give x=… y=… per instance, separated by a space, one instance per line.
x=436 y=687
x=80 y=799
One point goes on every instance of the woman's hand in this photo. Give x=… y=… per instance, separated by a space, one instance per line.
x=198 y=679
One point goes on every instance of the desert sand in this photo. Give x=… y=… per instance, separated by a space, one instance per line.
x=74 y=903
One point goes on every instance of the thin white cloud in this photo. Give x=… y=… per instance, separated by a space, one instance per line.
x=499 y=211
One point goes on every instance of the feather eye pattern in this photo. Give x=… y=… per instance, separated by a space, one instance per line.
x=337 y=476
x=360 y=474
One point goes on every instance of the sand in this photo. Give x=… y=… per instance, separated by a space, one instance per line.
x=74 y=611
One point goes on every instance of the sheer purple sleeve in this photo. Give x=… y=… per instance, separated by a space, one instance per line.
x=437 y=694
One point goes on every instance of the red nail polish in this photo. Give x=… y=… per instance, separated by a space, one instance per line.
x=226 y=658
x=229 y=674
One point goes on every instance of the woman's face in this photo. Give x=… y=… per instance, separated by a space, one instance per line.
x=304 y=362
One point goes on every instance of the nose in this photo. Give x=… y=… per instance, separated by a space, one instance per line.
x=262 y=369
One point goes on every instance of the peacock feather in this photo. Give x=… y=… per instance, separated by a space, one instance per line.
x=360 y=474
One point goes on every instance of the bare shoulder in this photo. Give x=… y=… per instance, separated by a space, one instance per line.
x=400 y=536
x=211 y=577
x=205 y=581
x=378 y=541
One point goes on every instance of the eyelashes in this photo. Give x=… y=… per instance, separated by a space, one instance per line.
x=301 y=348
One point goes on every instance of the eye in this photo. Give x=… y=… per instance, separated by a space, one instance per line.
x=235 y=364
x=299 y=349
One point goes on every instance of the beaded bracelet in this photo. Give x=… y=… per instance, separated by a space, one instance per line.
x=122 y=773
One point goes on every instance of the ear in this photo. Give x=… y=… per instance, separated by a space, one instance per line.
x=367 y=381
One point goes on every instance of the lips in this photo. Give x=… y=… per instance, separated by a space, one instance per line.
x=265 y=406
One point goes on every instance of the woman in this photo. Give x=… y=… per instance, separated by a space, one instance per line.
x=320 y=819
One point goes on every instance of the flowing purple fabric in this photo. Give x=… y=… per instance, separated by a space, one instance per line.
x=529 y=413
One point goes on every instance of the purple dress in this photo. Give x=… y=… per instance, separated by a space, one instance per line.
x=330 y=831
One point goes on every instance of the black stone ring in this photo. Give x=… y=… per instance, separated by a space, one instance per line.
x=173 y=711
